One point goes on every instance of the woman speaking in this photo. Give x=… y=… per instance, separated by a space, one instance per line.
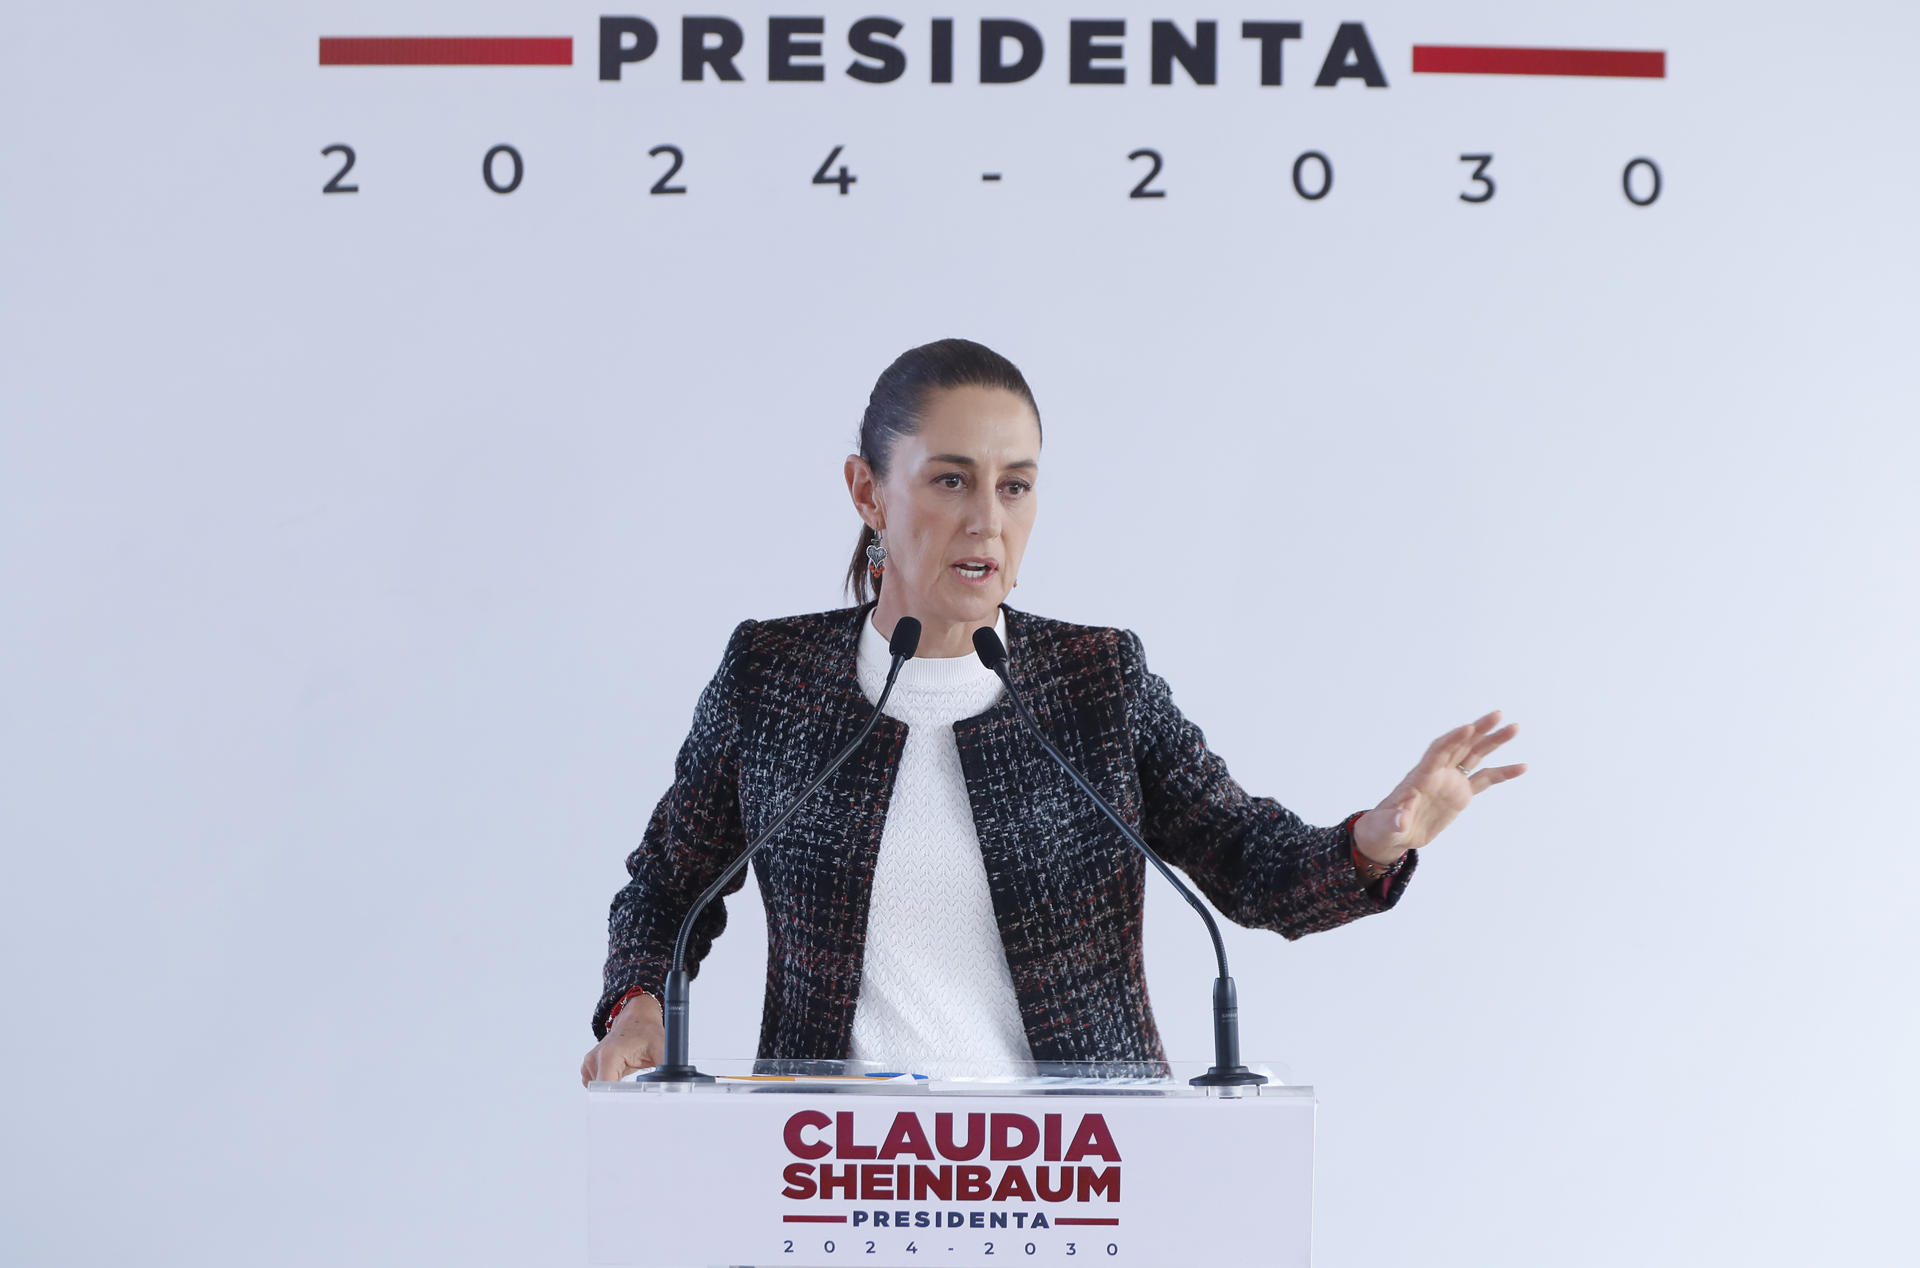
x=949 y=897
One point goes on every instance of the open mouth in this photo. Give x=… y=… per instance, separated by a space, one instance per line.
x=975 y=569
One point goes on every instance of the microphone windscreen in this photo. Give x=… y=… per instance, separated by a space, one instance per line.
x=906 y=638
x=987 y=644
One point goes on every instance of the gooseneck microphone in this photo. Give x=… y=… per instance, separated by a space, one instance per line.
x=1227 y=1070
x=676 y=1068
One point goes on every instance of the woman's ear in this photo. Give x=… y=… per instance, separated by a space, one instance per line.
x=865 y=491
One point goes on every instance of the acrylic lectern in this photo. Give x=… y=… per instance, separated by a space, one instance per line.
x=824 y=1163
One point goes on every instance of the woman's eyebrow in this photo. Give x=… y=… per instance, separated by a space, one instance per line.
x=961 y=460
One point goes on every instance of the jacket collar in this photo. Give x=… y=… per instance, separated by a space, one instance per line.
x=844 y=654
x=846 y=646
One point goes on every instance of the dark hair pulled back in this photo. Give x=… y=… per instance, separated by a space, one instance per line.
x=894 y=408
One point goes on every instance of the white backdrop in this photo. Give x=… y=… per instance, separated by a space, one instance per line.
x=363 y=556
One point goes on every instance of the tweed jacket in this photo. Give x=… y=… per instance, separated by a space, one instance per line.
x=1067 y=887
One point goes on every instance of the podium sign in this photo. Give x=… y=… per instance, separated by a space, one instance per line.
x=1046 y=1169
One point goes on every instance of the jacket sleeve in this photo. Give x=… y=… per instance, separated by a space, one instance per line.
x=694 y=833
x=1257 y=862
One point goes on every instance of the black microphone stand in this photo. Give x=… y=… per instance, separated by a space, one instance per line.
x=674 y=1008
x=1227 y=1070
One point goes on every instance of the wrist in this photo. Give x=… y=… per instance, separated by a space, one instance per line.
x=638 y=1003
x=1373 y=839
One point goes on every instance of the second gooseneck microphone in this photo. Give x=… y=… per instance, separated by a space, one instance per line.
x=674 y=1009
x=1227 y=1070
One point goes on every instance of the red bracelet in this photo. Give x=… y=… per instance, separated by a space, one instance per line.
x=622 y=1002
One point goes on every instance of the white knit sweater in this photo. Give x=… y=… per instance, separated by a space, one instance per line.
x=935 y=995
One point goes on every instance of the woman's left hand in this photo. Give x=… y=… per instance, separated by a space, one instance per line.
x=1436 y=790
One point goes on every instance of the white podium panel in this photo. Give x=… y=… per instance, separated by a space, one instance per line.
x=1040 y=1170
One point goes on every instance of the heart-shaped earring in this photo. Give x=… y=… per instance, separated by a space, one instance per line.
x=876 y=556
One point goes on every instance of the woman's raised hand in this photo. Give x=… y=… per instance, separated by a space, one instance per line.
x=1436 y=790
x=635 y=1041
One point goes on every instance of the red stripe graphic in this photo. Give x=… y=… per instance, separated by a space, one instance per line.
x=1071 y=1220
x=817 y=1219
x=1612 y=63
x=446 y=50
